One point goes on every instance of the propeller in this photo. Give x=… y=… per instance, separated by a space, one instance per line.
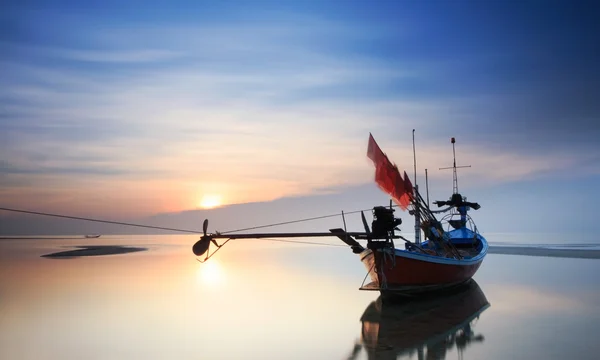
x=201 y=246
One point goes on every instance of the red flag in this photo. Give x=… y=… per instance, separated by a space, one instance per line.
x=398 y=189
x=384 y=175
x=387 y=176
x=389 y=180
x=374 y=152
x=407 y=184
x=404 y=201
x=408 y=193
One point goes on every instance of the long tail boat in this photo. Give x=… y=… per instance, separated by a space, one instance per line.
x=450 y=254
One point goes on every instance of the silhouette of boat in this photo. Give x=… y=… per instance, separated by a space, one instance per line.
x=428 y=327
x=92 y=236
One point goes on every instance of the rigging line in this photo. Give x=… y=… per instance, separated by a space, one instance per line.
x=101 y=221
x=291 y=222
x=300 y=242
x=367 y=274
x=166 y=228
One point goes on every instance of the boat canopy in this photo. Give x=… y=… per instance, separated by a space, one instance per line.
x=462 y=234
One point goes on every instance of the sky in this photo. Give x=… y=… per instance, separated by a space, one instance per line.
x=125 y=111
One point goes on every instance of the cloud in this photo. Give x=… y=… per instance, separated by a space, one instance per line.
x=97 y=55
x=138 y=56
x=253 y=109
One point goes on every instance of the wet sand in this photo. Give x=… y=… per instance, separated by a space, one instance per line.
x=98 y=250
x=538 y=251
x=41 y=237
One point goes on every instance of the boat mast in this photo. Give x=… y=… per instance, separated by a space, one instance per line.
x=427 y=187
x=454 y=175
x=454 y=167
x=414 y=157
x=416 y=209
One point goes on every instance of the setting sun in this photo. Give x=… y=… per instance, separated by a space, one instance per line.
x=210 y=201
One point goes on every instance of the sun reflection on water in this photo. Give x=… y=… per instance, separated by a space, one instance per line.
x=210 y=273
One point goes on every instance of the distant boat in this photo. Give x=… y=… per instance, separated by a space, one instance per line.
x=92 y=236
x=451 y=253
x=430 y=327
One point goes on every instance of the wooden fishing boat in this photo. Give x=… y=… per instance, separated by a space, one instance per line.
x=428 y=327
x=441 y=261
x=451 y=253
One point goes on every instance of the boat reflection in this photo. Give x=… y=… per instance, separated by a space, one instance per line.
x=426 y=327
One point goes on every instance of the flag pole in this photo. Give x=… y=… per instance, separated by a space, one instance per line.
x=416 y=209
x=427 y=187
x=414 y=157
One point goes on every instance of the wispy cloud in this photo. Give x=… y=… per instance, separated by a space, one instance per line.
x=96 y=55
x=256 y=110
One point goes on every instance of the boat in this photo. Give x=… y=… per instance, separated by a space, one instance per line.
x=428 y=327
x=92 y=236
x=450 y=255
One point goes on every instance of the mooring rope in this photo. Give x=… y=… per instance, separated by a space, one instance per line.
x=100 y=220
x=302 y=242
x=292 y=221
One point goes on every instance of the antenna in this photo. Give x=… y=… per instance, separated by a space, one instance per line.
x=454 y=167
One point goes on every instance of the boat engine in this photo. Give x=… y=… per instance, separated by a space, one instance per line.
x=384 y=222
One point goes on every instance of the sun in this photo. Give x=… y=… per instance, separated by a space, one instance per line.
x=210 y=201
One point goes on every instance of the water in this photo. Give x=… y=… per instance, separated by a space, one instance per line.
x=268 y=300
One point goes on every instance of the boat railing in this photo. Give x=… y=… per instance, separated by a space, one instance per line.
x=469 y=222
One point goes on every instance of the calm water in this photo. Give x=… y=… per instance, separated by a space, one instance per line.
x=267 y=300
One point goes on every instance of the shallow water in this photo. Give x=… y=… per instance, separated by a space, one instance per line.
x=269 y=300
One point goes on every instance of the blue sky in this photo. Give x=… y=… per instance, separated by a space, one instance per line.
x=130 y=110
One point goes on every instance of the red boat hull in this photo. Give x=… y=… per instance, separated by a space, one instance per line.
x=406 y=272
